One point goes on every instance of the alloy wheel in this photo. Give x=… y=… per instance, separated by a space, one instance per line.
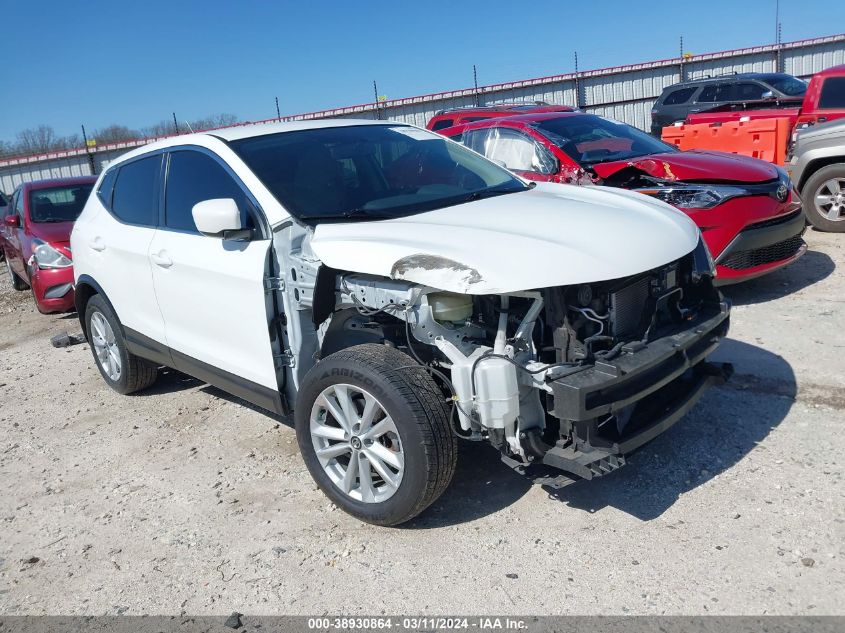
x=105 y=346
x=357 y=443
x=830 y=199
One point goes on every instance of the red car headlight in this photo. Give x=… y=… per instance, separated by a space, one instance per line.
x=694 y=196
x=47 y=257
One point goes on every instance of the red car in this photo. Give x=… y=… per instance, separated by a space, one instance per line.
x=36 y=239
x=748 y=213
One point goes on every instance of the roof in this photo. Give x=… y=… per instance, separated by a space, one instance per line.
x=263 y=129
x=833 y=70
x=507 y=107
x=533 y=117
x=236 y=133
x=60 y=182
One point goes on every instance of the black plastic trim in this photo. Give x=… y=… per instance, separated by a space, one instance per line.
x=259 y=395
x=608 y=387
x=753 y=238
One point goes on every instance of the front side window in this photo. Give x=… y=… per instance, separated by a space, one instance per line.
x=193 y=177
x=677 y=97
x=589 y=139
x=58 y=204
x=366 y=172
x=747 y=91
x=511 y=148
x=19 y=203
x=833 y=93
x=787 y=84
x=136 y=190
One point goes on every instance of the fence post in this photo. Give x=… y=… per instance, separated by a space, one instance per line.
x=91 y=162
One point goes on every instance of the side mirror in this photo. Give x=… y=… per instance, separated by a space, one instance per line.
x=220 y=217
x=12 y=221
x=768 y=95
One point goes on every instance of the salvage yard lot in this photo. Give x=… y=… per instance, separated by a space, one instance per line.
x=183 y=499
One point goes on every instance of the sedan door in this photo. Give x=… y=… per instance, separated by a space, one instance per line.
x=15 y=237
x=210 y=289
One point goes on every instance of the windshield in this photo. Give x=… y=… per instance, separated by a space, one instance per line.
x=787 y=85
x=366 y=172
x=58 y=204
x=589 y=139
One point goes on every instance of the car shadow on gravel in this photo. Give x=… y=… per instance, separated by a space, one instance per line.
x=727 y=424
x=812 y=267
x=482 y=485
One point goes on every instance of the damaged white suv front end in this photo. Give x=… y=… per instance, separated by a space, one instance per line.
x=400 y=293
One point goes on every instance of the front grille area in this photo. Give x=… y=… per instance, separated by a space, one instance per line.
x=775 y=221
x=742 y=260
x=627 y=306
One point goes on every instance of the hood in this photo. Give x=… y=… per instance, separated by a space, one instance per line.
x=52 y=232
x=823 y=130
x=699 y=165
x=552 y=235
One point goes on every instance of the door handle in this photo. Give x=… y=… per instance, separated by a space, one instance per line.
x=97 y=244
x=162 y=259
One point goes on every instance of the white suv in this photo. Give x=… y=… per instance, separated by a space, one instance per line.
x=398 y=292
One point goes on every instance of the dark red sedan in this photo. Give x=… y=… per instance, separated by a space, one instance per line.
x=35 y=239
x=748 y=213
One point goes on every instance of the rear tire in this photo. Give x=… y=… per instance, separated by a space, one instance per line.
x=123 y=371
x=17 y=282
x=825 y=210
x=402 y=454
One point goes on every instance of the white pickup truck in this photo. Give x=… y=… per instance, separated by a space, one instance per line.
x=398 y=293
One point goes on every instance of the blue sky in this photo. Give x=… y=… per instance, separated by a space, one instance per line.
x=102 y=62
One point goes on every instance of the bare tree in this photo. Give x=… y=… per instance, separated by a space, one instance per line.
x=214 y=121
x=115 y=133
x=43 y=139
x=38 y=139
x=162 y=128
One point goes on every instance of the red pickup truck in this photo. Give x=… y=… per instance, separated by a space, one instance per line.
x=823 y=101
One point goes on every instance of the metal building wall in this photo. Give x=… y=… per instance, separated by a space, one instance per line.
x=625 y=93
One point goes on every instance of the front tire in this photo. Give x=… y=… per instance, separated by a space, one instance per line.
x=373 y=429
x=123 y=371
x=17 y=282
x=823 y=197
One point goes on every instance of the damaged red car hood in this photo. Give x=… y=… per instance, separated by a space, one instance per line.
x=698 y=165
x=52 y=232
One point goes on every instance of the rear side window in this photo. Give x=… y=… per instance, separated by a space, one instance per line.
x=104 y=192
x=135 y=197
x=833 y=93
x=441 y=124
x=713 y=93
x=193 y=177
x=677 y=97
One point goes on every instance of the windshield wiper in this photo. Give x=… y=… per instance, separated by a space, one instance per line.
x=489 y=193
x=351 y=213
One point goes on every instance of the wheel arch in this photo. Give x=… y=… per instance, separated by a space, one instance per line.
x=815 y=165
x=87 y=287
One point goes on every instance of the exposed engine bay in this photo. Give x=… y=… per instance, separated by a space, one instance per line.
x=571 y=376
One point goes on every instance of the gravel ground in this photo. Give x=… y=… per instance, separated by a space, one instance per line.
x=185 y=500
